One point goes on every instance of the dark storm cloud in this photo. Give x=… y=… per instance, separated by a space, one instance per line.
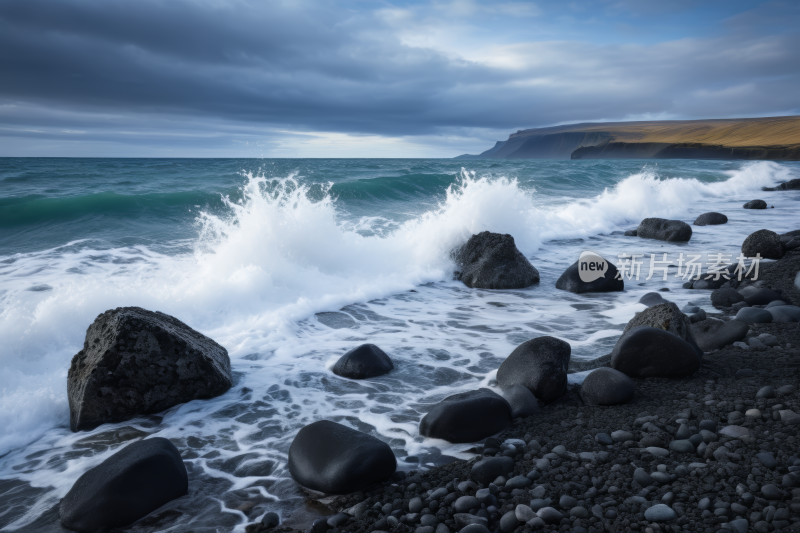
x=99 y=66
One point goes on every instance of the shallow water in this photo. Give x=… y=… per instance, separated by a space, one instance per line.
x=289 y=264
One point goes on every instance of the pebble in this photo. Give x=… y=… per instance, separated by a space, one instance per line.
x=579 y=512
x=739 y=526
x=681 y=446
x=657 y=451
x=766 y=459
x=524 y=513
x=660 y=513
x=771 y=492
x=604 y=438
x=465 y=503
x=538 y=503
x=709 y=425
x=786 y=390
x=621 y=436
x=766 y=392
x=661 y=477
x=641 y=477
x=415 y=505
x=752 y=413
x=549 y=515
x=789 y=417
x=518 y=482
x=735 y=431
x=567 y=502
x=474 y=528
x=509 y=522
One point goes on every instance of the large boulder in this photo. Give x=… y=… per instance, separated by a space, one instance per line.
x=664 y=230
x=335 y=459
x=645 y=352
x=522 y=401
x=467 y=417
x=365 y=361
x=492 y=261
x=571 y=280
x=725 y=297
x=755 y=204
x=759 y=296
x=666 y=316
x=754 y=315
x=785 y=313
x=606 y=386
x=539 y=364
x=764 y=242
x=791 y=185
x=710 y=219
x=713 y=334
x=127 y=486
x=136 y=362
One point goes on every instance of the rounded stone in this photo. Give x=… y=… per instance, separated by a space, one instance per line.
x=549 y=515
x=365 y=361
x=754 y=315
x=764 y=242
x=644 y=352
x=607 y=386
x=660 y=513
x=467 y=417
x=711 y=219
x=539 y=364
x=681 y=446
x=755 y=204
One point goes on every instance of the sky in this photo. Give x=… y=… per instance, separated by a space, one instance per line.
x=302 y=78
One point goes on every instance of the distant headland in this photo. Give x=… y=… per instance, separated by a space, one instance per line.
x=771 y=138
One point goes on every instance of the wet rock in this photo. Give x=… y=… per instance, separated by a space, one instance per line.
x=540 y=365
x=621 y=436
x=127 y=486
x=760 y=296
x=764 y=242
x=570 y=280
x=606 y=386
x=270 y=520
x=664 y=230
x=660 y=513
x=771 y=492
x=725 y=297
x=487 y=470
x=492 y=261
x=365 y=361
x=467 y=417
x=630 y=233
x=710 y=219
x=137 y=362
x=755 y=204
x=335 y=459
x=784 y=313
x=791 y=185
x=681 y=446
x=549 y=515
x=712 y=334
x=522 y=401
x=652 y=298
x=651 y=352
x=666 y=316
x=754 y=315
x=509 y=522
x=641 y=477
x=466 y=503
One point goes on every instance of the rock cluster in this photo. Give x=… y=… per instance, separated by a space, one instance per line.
x=492 y=261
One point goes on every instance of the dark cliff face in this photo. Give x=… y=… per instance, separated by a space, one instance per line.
x=622 y=150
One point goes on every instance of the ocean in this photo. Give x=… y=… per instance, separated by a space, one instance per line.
x=289 y=263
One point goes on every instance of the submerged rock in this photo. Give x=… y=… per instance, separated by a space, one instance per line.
x=335 y=459
x=606 y=386
x=755 y=204
x=127 y=486
x=492 y=261
x=764 y=242
x=540 y=365
x=664 y=230
x=571 y=281
x=645 y=352
x=365 y=361
x=467 y=417
x=136 y=362
x=711 y=219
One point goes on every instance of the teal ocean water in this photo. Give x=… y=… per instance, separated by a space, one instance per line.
x=290 y=263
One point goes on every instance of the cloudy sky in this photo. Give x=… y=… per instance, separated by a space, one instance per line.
x=303 y=78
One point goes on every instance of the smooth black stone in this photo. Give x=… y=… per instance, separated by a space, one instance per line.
x=365 y=361
x=335 y=459
x=785 y=313
x=606 y=386
x=760 y=296
x=571 y=281
x=467 y=417
x=710 y=219
x=664 y=230
x=651 y=352
x=755 y=204
x=127 y=486
x=712 y=334
x=522 y=401
x=487 y=470
x=492 y=261
x=651 y=299
x=539 y=364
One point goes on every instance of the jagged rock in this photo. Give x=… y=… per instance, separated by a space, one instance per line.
x=764 y=242
x=644 y=352
x=755 y=204
x=664 y=230
x=492 y=261
x=467 y=417
x=666 y=316
x=136 y=362
x=713 y=334
x=127 y=486
x=365 y=361
x=539 y=364
x=335 y=459
x=710 y=219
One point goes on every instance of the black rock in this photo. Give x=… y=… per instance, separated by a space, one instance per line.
x=725 y=297
x=492 y=261
x=652 y=298
x=710 y=219
x=664 y=230
x=760 y=296
x=791 y=185
x=137 y=362
x=644 y=352
x=755 y=204
x=539 y=364
x=335 y=459
x=467 y=417
x=521 y=400
x=764 y=242
x=127 y=486
x=366 y=361
x=509 y=522
x=570 y=280
x=641 y=477
x=630 y=233
x=270 y=520
x=697 y=317
x=606 y=386
x=666 y=316
x=487 y=470
x=713 y=334
x=754 y=315
x=785 y=313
